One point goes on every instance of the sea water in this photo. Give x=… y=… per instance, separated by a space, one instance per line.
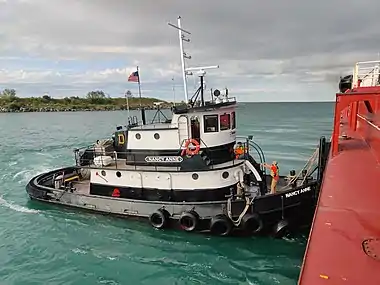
x=46 y=244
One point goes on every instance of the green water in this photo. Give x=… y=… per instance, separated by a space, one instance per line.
x=43 y=244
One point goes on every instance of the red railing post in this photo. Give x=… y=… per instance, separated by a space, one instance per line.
x=336 y=130
x=354 y=117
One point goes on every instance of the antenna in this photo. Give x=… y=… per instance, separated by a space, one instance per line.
x=173 y=92
x=183 y=54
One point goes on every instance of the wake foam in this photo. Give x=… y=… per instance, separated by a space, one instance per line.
x=15 y=207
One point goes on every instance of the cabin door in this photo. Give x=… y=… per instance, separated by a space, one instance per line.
x=183 y=129
x=195 y=129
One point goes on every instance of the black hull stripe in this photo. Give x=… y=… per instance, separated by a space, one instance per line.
x=217 y=155
x=266 y=203
x=148 y=194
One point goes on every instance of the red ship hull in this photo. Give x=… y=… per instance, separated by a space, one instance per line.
x=344 y=242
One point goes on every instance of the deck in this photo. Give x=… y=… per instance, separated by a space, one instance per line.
x=347 y=215
x=82 y=187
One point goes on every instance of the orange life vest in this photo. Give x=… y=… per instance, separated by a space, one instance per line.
x=239 y=151
x=274 y=171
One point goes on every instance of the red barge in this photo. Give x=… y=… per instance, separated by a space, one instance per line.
x=344 y=241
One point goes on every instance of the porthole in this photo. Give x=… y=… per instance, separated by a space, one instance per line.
x=225 y=174
x=156 y=136
x=138 y=136
x=195 y=176
x=118 y=174
x=103 y=173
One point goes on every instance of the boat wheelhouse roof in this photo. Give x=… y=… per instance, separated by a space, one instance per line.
x=155 y=126
x=209 y=106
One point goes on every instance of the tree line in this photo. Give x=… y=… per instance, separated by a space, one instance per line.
x=94 y=100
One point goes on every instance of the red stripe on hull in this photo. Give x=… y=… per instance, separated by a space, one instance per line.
x=348 y=210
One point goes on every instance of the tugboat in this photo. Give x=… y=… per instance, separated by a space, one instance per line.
x=184 y=173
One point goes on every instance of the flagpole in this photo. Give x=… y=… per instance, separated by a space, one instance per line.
x=126 y=99
x=138 y=73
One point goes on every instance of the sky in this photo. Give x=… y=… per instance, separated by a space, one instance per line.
x=292 y=50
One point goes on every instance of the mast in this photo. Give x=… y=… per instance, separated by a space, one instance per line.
x=183 y=54
x=173 y=92
x=188 y=71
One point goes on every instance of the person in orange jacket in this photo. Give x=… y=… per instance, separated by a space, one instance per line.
x=274 y=172
x=239 y=150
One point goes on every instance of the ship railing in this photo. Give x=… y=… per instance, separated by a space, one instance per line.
x=129 y=160
x=156 y=125
x=248 y=144
x=119 y=159
x=366 y=74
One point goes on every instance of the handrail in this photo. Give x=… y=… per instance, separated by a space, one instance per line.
x=116 y=160
x=250 y=142
x=86 y=162
x=363 y=77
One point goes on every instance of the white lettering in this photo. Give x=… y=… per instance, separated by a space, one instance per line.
x=163 y=159
x=297 y=192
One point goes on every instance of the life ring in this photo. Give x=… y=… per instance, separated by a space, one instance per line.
x=190 y=152
x=159 y=219
x=188 y=221
x=281 y=228
x=252 y=223
x=220 y=225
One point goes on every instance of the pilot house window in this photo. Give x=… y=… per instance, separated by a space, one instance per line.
x=225 y=122
x=210 y=123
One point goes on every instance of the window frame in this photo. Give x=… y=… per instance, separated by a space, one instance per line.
x=228 y=121
x=205 y=117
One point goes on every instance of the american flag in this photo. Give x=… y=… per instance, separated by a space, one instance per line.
x=134 y=77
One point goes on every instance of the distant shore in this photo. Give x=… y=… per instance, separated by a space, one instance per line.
x=94 y=101
x=93 y=109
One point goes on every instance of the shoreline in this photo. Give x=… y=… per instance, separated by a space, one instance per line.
x=71 y=110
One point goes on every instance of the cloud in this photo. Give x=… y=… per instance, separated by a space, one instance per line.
x=267 y=50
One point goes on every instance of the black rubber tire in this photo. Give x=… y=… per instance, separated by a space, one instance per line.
x=159 y=219
x=281 y=229
x=252 y=223
x=188 y=221
x=221 y=225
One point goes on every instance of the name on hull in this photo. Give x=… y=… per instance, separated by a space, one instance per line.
x=297 y=192
x=168 y=159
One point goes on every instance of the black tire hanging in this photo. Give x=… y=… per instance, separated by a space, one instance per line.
x=281 y=229
x=221 y=225
x=252 y=223
x=188 y=221
x=159 y=219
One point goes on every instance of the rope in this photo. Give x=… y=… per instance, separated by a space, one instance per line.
x=248 y=202
x=307 y=165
